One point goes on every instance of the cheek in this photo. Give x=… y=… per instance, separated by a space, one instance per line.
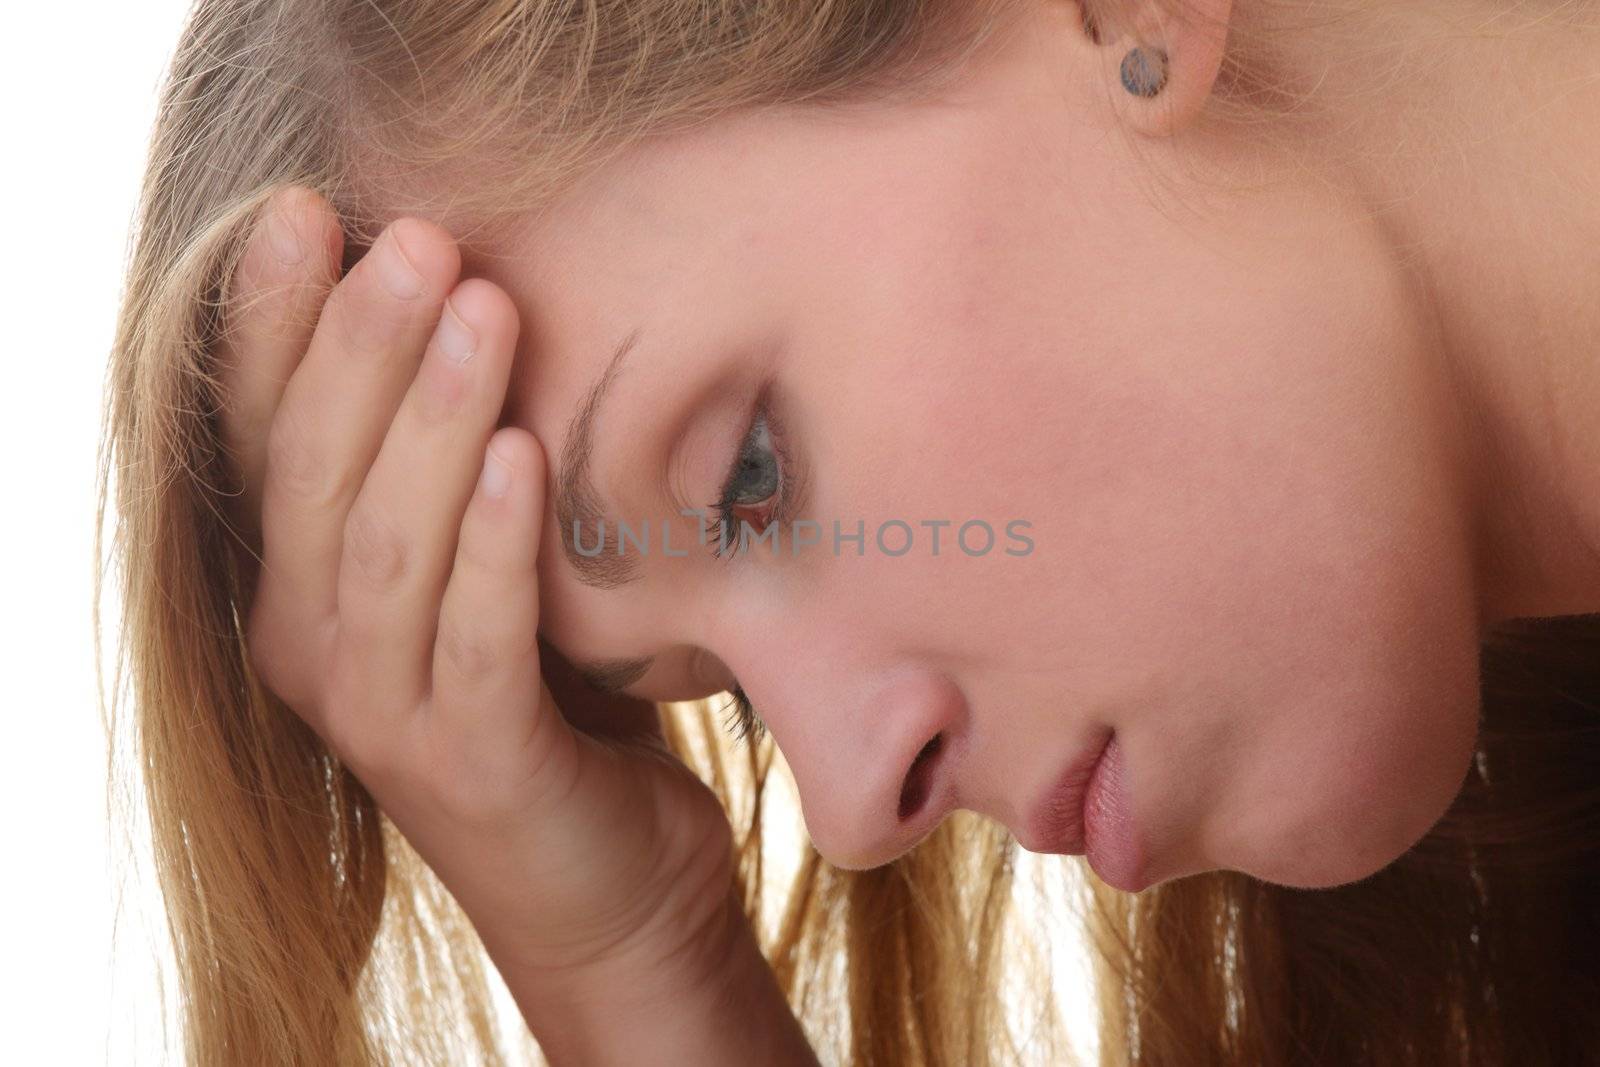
x=942 y=463
x=1299 y=599
x=1243 y=551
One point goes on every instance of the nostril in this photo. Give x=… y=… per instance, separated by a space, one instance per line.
x=914 y=794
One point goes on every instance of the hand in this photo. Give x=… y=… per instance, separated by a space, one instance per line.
x=395 y=606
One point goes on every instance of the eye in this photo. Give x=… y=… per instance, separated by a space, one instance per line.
x=752 y=493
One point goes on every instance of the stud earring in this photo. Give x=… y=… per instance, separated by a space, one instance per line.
x=1144 y=71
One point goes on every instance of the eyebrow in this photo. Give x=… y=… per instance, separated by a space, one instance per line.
x=578 y=502
x=614 y=675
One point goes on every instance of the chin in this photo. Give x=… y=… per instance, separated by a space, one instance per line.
x=1354 y=843
x=1358 y=812
x=1327 y=872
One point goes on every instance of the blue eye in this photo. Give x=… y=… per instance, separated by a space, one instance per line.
x=755 y=475
x=754 y=484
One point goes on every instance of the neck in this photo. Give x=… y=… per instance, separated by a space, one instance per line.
x=1483 y=163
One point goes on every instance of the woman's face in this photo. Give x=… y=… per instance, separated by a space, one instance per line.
x=1224 y=524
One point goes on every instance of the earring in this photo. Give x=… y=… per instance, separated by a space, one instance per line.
x=1144 y=71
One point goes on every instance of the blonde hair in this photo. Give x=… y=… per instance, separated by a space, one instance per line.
x=304 y=928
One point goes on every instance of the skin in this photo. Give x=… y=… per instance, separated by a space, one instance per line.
x=389 y=535
x=1292 y=427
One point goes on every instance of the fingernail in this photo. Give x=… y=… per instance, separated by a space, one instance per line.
x=395 y=270
x=282 y=237
x=496 y=477
x=456 y=339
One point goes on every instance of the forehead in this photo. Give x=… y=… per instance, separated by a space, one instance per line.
x=657 y=241
x=684 y=235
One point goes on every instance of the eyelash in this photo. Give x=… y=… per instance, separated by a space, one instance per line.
x=781 y=497
x=744 y=724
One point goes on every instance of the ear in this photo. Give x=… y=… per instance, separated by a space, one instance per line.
x=1193 y=37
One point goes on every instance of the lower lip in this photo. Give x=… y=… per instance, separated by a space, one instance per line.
x=1111 y=841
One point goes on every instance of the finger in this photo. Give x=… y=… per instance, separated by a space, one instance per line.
x=488 y=702
x=336 y=409
x=289 y=264
x=400 y=537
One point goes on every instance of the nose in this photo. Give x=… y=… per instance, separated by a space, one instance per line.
x=875 y=771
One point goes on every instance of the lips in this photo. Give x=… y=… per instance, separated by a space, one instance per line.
x=1055 y=824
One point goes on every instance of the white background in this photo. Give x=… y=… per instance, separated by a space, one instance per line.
x=80 y=85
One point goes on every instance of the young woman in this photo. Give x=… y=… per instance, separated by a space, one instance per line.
x=1162 y=432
